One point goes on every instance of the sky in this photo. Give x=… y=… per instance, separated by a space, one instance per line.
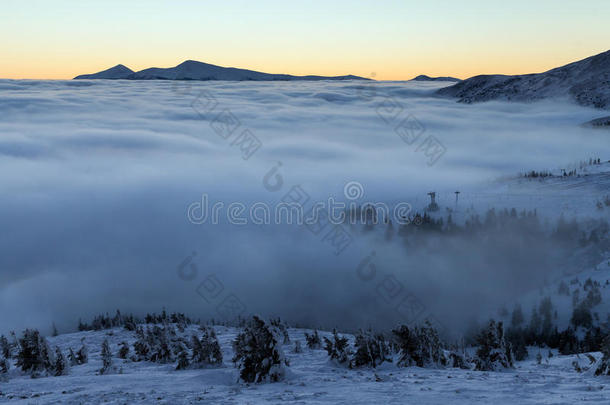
x=389 y=40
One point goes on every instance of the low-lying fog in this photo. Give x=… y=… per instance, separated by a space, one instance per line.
x=96 y=179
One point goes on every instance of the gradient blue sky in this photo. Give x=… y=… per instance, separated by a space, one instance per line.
x=395 y=39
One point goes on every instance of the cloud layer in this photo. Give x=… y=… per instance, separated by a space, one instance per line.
x=97 y=176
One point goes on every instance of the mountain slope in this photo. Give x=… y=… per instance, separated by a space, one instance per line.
x=586 y=81
x=603 y=122
x=116 y=72
x=193 y=70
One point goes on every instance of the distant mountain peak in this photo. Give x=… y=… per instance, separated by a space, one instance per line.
x=195 y=70
x=116 y=72
x=191 y=62
x=426 y=78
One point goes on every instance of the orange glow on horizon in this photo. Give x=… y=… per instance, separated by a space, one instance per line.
x=56 y=69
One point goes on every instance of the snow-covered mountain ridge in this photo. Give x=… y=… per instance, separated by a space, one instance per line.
x=587 y=82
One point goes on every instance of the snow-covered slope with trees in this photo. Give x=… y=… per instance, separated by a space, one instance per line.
x=587 y=82
x=119 y=365
x=193 y=70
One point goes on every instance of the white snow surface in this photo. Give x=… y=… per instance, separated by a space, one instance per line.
x=312 y=379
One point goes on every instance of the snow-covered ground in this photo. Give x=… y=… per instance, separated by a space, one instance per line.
x=312 y=380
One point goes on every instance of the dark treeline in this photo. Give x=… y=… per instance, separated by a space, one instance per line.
x=500 y=222
x=540 y=245
x=534 y=174
x=105 y=321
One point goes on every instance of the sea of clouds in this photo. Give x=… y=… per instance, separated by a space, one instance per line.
x=97 y=177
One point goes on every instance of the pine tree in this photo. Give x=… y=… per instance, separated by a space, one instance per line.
x=160 y=349
x=183 y=360
x=106 y=358
x=493 y=352
x=563 y=288
x=594 y=296
x=258 y=354
x=568 y=342
x=581 y=316
x=141 y=346
x=546 y=312
x=534 y=327
x=82 y=355
x=431 y=345
x=72 y=358
x=371 y=350
x=48 y=357
x=458 y=360
x=338 y=348
x=206 y=352
x=313 y=340
x=419 y=347
x=124 y=350
x=129 y=323
x=517 y=317
x=30 y=357
x=5 y=365
x=198 y=353
x=297 y=346
x=5 y=348
x=61 y=366
x=517 y=341
x=210 y=340
x=604 y=367
x=407 y=344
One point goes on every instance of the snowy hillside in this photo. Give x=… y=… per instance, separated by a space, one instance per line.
x=603 y=122
x=193 y=70
x=311 y=379
x=565 y=291
x=586 y=81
